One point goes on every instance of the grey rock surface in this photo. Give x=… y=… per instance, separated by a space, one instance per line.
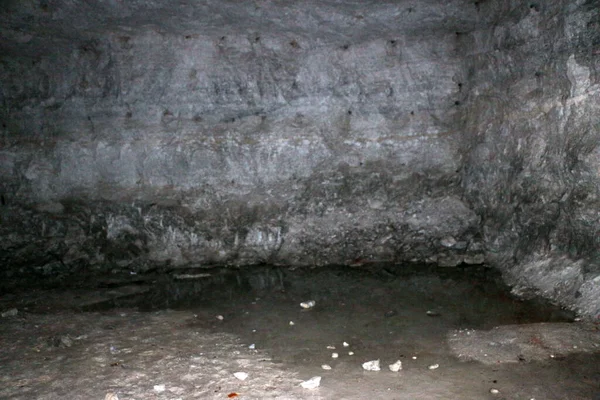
x=524 y=343
x=139 y=134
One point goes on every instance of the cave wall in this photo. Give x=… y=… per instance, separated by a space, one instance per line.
x=210 y=144
x=147 y=134
x=533 y=174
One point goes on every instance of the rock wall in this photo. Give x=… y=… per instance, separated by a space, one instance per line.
x=533 y=174
x=144 y=134
x=201 y=144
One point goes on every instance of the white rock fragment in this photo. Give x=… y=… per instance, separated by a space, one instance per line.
x=371 y=365
x=334 y=355
x=331 y=347
x=434 y=366
x=414 y=357
x=159 y=388
x=252 y=346
x=10 y=313
x=395 y=367
x=312 y=383
x=326 y=367
x=220 y=317
x=448 y=241
x=350 y=353
x=242 y=376
x=346 y=344
x=494 y=391
x=292 y=323
x=308 y=304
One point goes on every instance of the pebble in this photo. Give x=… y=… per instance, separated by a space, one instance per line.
x=331 y=347
x=159 y=388
x=252 y=346
x=494 y=391
x=292 y=323
x=434 y=366
x=371 y=365
x=334 y=355
x=308 y=304
x=242 y=376
x=345 y=344
x=395 y=367
x=312 y=383
x=326 y=367
x=10 y=313
x=220 y=317
x=350 y=353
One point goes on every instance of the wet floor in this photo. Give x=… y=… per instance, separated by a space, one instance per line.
x=384 y=313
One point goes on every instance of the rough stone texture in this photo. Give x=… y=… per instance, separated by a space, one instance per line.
x=142 y=134
x=524 y=342
x=533 y=174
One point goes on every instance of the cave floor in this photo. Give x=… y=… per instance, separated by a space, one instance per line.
x=185 y=336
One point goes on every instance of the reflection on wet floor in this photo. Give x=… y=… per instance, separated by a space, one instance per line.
x=388 y=313
x=328 y=322
x=471 y=296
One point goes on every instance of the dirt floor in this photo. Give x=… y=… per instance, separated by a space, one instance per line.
x=185 y=335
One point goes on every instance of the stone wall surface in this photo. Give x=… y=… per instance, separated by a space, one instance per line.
x=533 y=174
x=193 y=134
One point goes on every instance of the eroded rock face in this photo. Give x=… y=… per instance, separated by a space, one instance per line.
x=533 y=173
x=148 y=133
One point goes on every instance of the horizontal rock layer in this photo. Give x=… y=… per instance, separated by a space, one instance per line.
x=149 y=133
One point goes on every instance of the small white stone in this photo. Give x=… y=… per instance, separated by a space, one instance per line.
x=159 y=388
x=242 y=376
x=350 y=353
x=326 y=367
x=494 y=391
x=331 y=347
x=252 y=346
x=345 y=344
x=334 y=355
x=312 y=383
x=220 y=317
x=448 y=241
x=395 y=367
x=371 y=365
x=10 y=313
x=308 y=304
x=414 y=357
x=434 y=366
x=292 y=323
